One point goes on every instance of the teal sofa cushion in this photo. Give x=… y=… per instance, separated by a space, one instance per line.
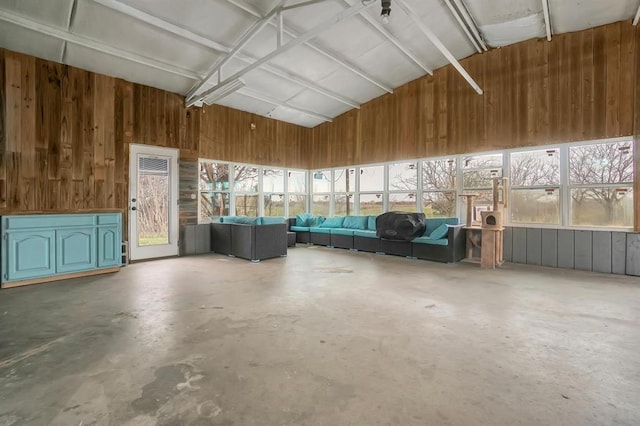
x=433 y=223
x=300 y=228
x=318 y=230
x=440 y=232
x=267 y=220
x=355 y=222
x=302 y=219
x=427 y=240
x=244 y=220
x=315 y=221
x=342 y=231
x=333 y=222
x=371 y=223
x=365 y=233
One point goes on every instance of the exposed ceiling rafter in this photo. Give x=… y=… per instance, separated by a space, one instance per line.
x=547 y=18
x=392 y=38
x=221 y=48
x=318 y=29
x=467 y=23
x=637 y=18
x=408 y=10
x=79 y=40
x=325 y=52
x=244 y=40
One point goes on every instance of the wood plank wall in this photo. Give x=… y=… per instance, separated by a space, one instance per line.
x=65 y=135
x=636 y=164
x=578 y=87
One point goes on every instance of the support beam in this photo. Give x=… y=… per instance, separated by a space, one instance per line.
x=302 y=4
x=94 y=45
x=467 y=23
x=218 y=47
x=268 y=99
x=325 y=52
x=246 y=38
x=637 y=18
x=408 y=10
x=547 y=18
x=318 y=29
x=393 y=39
x=70 y=17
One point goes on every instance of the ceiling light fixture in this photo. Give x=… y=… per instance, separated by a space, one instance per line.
x=223 y=91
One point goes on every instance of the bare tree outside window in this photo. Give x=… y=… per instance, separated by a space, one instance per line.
x=535 y=182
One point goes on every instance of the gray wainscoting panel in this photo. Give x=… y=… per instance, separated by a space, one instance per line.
x=601 y=252
x=189 y=240
x=550 y=247
x=507 y=244
x=534 y=246
x=619 y=252
x=565 y=249
x=633 y=254
x=203 y=238
x=519 y=245
x=583 y=250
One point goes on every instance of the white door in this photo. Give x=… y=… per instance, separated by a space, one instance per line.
x=153 y=202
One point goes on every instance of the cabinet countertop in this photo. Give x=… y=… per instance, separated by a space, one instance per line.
x=38 y=212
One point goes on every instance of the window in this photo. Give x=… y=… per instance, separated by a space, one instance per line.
x=245 y=185
x=297 y=190
x=321 y=201
x=403 y=185
x=535 y=187
x=477 y=178
x=273 y=192
x=370 y=197
x=601 y=184
x=371 y=204
x=214 y=190
x=439 y=188
x=344 y=186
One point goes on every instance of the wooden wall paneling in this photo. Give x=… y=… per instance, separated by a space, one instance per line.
x=627 y=63
x=599 y=81
x=613 y=80
x=636 y=163
x=587 y=65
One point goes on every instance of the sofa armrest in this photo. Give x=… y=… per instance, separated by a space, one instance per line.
x=221 y=238
x=270 y=241
x=242 y=240
x=291 y=222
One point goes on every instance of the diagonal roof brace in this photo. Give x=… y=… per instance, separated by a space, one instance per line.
x=408 y=10
x=547 y=18
x=637 y=18
x=318 y=29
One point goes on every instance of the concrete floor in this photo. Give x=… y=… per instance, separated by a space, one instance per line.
x=323 y=337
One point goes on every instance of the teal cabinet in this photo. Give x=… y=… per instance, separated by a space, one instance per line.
x=109 y=246
x=75 y=250
x=29 y=254
x=40 y=246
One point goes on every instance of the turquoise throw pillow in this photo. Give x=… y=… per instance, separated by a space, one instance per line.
x=302 y=219
x=333 y=222
x=355 y=222
x=440 y=232
x=315 y=221
x=371 y=225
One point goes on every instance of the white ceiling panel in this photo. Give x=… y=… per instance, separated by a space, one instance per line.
x=525 y=28
x=30 y=42
x=51 y=12
x=199 y=16
x=292 y=116
x=102 y=63
x=490 y=12
x=341 y=38
x=575 y=15
x=311 y=100
x=347 y=83
x=115 y=29
x=389 y=65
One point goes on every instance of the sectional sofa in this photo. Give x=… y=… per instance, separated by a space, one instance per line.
x=253 y=239
x=443 y=239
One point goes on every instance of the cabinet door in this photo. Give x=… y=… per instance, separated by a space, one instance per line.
x=75 y=250
x=29 y=254
x=109 y=247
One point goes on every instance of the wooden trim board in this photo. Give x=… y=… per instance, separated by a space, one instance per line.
x=60 y=277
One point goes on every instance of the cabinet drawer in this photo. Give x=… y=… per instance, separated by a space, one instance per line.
x=47 y=221
x=109 y=219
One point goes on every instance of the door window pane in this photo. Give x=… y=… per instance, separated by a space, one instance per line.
x=403 y=177
x=439 y=204
x=405 y=202
x=320 y=205
x=609 y=207
x=535 y=206
x=153 y=201
x=274 y=205
x=246 y=205
x=371 y=204
x=372 y=178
